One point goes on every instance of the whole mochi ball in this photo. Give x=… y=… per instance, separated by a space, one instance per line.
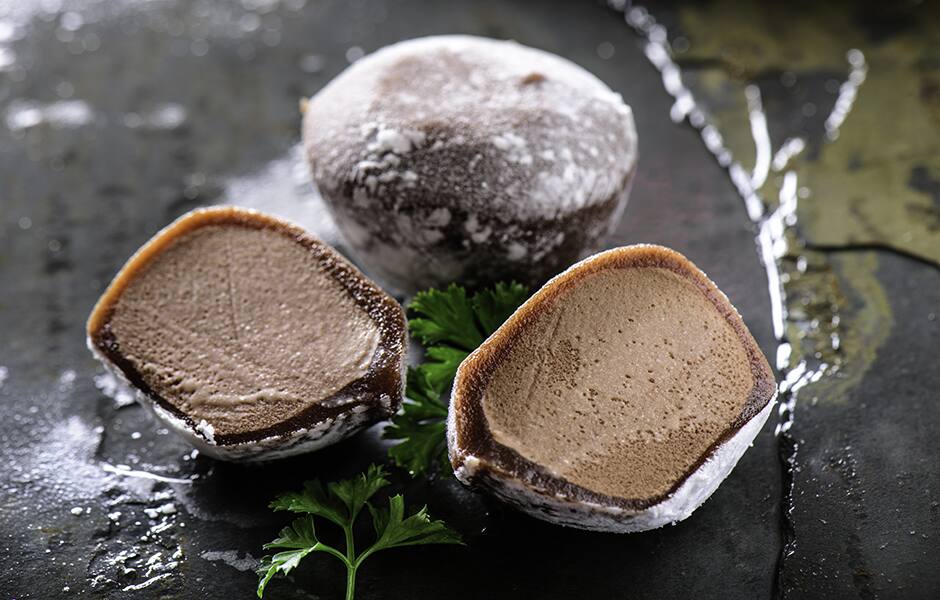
x=464 y=159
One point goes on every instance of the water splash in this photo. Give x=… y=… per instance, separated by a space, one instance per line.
x=776 y=239
x=61 y=114
x=126 y=471
x=848 y=91
x=789 y=150
x=162 y=117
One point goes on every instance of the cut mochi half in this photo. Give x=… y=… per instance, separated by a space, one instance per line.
x=250 y=337
x=617 y=398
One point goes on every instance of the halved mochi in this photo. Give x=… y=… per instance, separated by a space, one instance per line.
x=617 y=398
x=250 y=337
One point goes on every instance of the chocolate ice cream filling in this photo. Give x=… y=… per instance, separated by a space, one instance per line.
x=622 y=384
x=242 y=327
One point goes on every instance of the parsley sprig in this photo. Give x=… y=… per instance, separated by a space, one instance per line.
x=340 y=503
x=450 y=325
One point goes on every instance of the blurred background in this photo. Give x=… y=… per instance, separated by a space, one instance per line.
x=792 y=150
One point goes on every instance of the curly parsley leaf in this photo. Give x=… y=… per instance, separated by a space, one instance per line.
x=450 y=325
x=314 y=500
x=440 y=366
x=493 y=306
x=338 y=502
x=355 y=493
x=394 y=530
x=445 y=316
x=420 y=424
x=341 y=502
x=298 y=540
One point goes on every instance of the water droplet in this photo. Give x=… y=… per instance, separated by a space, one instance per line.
x=354 y=53
x=91 y=42
x=605 y=50
x=71 y=21
x=249 y=22
x=7 y=58
x=271 y=37
x=312 y=63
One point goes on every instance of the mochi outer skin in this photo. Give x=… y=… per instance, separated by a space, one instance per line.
x=460 y=158
x=551 y=491
x=249 y=337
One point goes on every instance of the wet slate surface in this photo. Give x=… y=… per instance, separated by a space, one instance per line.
x=117 y=119
x=866 y=508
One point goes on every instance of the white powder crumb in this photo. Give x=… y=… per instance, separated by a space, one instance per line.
x=77 y=510
x=232 y=559
x=167 y=509
x=4 y=374
x=67 y=378
x=516 y=251
x=145 y=584
x=439 y=217
x=206 y=430
x=514 y=146
x=399 y=142
x=569 y=172
x=113 y=388
x=507 y=141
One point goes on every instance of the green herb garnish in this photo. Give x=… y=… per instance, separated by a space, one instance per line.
x=450 y=325
x=341 y=502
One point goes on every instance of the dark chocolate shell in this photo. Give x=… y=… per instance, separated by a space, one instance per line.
x=460 y=158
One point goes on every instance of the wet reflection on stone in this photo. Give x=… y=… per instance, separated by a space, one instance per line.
x=852 y=172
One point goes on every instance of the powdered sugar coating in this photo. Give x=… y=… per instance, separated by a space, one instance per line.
x=440 y=153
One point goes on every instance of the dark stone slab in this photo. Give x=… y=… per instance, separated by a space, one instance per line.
x=183 y=101
x=866 y=510
x=861 y=513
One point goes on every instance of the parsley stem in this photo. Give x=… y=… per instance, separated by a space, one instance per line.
x=350 y=582
x=351 y=563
